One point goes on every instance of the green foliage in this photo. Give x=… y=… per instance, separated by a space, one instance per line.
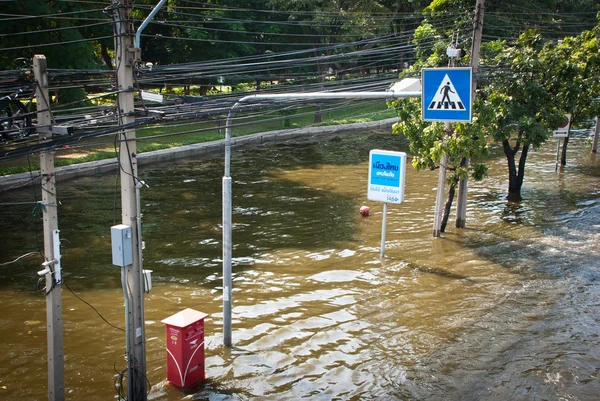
x=571 y=75
x=429 y=141
x=71 y=55
x=516 y=105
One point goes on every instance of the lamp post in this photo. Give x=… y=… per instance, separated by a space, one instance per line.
x=409 y=87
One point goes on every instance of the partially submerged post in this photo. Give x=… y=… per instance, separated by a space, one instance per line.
x=396 y=92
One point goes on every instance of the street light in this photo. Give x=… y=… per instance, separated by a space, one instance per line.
x=408 y=87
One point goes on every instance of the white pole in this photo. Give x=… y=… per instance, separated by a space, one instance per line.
x=227 y=193
x=227 y=245
x=145 y=23
x=383 y=225
x=557 y=154
x=595 y=143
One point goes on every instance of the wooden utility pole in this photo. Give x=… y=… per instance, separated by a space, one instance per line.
x=52 y=272
x=133 y=285
x=596 y=130
x=463 y=185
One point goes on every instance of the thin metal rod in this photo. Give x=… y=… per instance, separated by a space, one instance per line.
x=156 y=9
x=596 y=131
x=557 y=154
x=227 y=261
x=383 y=225
x=332 y=95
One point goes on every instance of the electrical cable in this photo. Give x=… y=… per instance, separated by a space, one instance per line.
x=53 y=44
x=17 y=17
x=91 y=306
x=52 y=29
x=25 y=255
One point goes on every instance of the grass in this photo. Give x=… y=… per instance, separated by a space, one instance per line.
x=191 y=132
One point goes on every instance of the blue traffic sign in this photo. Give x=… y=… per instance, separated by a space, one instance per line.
x=447 y=94
x=387 y=172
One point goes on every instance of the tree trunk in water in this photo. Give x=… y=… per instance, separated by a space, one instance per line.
x=563 y=156
x=448 y=204
x=258 y=82
x=515 y=176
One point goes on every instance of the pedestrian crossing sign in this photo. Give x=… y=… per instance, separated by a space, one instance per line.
x=447 y=94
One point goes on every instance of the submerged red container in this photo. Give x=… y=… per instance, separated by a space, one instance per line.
x=185 y=348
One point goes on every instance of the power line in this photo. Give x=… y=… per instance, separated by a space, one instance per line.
x=54 y=43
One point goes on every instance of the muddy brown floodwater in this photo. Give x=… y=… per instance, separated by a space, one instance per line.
x=506 y=309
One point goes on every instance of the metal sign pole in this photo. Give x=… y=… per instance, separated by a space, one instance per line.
x=383 y=224
x=557 y=154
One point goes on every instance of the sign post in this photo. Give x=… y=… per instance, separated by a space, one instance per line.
x=561 y=132
x=387 y=172
x=447 y=96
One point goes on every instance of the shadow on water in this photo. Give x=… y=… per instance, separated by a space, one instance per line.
x=443 y=273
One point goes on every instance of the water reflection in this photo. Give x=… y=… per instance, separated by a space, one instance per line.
x=505 y=309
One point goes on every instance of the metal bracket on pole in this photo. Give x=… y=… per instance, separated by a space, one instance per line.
x=57 y=265
x=135 y=56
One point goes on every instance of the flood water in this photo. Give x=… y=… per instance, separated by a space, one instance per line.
x=506 y=309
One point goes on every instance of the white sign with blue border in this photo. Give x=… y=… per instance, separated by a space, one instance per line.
x=447 y=94
x=387 y=171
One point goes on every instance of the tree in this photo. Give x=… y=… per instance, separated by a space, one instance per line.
x=517 y=110
x=429 y=141
x=325 y=22
x=572 y=71
x=63 y=31
x=554 y=19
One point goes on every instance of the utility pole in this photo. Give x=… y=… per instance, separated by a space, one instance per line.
x=439 y=200
x=51 y=271
x=463 y=185
x=132 y=275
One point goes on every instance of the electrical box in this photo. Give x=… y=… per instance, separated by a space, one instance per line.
x=122 y=245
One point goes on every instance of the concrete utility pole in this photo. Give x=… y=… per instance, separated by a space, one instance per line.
x=439 y=199
x=463 y=185
x=56 y=368
x=133 y=285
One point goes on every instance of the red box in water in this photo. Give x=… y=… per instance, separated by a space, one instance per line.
x=185 y=348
